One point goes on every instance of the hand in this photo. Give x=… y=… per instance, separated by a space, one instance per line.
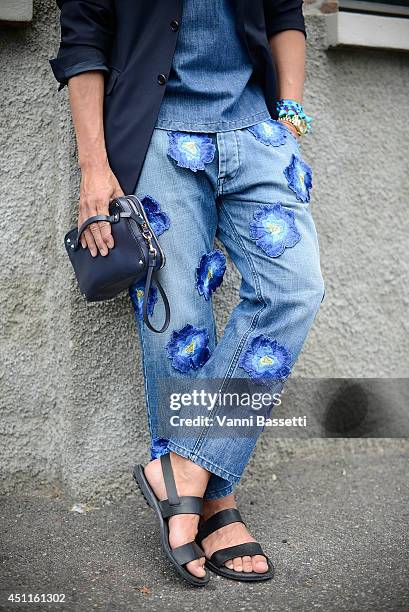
x=291 y=129
x=98 y=187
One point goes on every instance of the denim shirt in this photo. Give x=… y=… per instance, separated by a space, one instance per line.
x=211 y=86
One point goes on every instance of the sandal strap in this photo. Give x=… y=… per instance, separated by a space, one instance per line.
x=170 y=485
x=249 y=549
x=187 y=505
x=217 y=521
x=187 y=552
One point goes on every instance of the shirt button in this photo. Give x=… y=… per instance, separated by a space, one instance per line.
x=162 y=79
x=174 y=25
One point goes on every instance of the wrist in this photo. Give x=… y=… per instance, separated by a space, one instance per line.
x=94 y=162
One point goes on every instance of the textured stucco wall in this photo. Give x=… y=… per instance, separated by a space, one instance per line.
x=72 y=413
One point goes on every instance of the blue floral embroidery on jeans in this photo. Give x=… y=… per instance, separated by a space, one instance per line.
x=299 y=178
x=159 y=447
x=158 y=219
x=188 y=348
x=137 y=292
x=266 y=359
x=191 y=151
x=209 y=273
x=273 y=229
x=270 y=132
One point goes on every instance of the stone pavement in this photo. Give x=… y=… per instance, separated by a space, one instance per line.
x=335 y=526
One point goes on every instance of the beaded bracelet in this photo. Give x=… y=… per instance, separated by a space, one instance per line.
x=293 y=112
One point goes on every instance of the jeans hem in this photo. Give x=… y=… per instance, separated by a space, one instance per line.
x=218 y=494
x=207 y=465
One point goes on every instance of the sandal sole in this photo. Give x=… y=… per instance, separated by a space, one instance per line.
x=151 y=500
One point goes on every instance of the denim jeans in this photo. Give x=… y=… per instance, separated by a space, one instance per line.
x=250 y=189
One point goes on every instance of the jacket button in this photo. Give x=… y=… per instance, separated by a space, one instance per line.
x=162 y=79
x=174 y=25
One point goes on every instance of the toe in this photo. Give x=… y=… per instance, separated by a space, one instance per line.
x=259 y=564
x=247 y=564
x=238 y=564
x=196 y=567
x=229 y=564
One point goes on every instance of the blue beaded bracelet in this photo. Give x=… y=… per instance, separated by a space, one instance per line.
x=292 y=108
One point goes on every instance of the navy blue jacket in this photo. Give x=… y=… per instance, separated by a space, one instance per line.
x=133 y=42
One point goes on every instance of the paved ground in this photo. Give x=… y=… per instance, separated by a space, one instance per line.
x=336 y=528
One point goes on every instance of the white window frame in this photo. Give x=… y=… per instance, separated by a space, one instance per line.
x=16 y=11
x=366 y=24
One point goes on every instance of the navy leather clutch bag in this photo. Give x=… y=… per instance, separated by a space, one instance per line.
x=136 y=254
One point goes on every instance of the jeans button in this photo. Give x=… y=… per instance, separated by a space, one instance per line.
x=162 y=79
x=174 y=25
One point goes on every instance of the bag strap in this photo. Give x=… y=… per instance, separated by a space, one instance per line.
x=150 y=276
x=95 y=218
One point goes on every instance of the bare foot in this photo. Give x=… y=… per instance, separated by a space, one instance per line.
x=231 y=535
x=190 y=479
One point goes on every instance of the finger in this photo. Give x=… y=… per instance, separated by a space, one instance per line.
x=106 y=233
x=79 y=223
x=104 y=227
x=96 y=234
x=82 y=239
x=90 y=242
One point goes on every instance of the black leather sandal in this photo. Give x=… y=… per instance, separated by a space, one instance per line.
x=219 y=558
x=170 y=507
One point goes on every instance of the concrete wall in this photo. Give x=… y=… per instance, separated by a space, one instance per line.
x=72 y=414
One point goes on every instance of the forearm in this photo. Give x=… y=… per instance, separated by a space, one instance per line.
x=288 y=49
x=87 y=99
x=98 y=183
